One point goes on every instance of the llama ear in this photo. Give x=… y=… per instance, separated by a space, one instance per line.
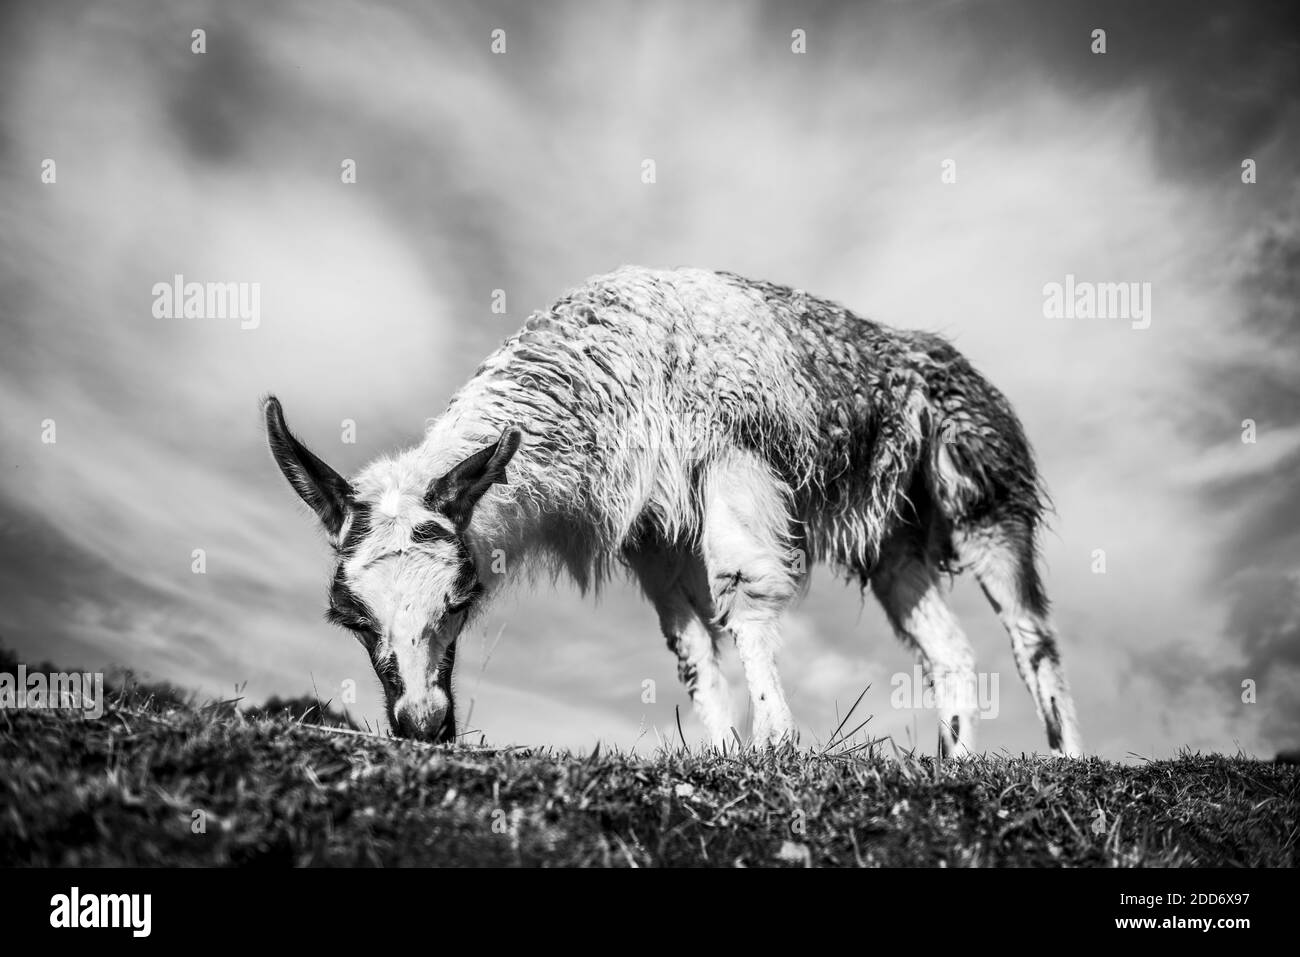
x=327 y=492
x=457 y=492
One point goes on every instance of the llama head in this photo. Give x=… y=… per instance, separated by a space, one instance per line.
x=405 y=582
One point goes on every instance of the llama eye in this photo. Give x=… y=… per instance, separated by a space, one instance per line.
x=351 y=622
x=428 y=532
x=456 y=607
x=364 y=632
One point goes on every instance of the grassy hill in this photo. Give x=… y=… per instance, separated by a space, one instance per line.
x=174 y=783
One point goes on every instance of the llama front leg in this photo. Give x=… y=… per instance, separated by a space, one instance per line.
x=674 y=582
x=691 y=640
x=750 y=580
x=756 y=643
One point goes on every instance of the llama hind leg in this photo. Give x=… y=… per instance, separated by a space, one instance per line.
x=751 y=579
x=908 y=587
x=1002 y=558
x=667 y=582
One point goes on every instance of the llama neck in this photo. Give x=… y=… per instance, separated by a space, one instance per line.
x=512 y=524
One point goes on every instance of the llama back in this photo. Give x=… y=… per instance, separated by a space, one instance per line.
x=906 y=431
x=631 y=385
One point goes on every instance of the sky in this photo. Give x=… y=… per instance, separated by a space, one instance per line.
x=522 y=171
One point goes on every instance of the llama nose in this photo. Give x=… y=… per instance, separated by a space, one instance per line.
x=421 y=720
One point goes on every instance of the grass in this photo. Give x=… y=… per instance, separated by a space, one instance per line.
x=173 y=783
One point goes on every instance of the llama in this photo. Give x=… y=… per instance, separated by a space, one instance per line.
x=714 y=437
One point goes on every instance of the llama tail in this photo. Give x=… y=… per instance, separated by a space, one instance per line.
x=979 y=463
